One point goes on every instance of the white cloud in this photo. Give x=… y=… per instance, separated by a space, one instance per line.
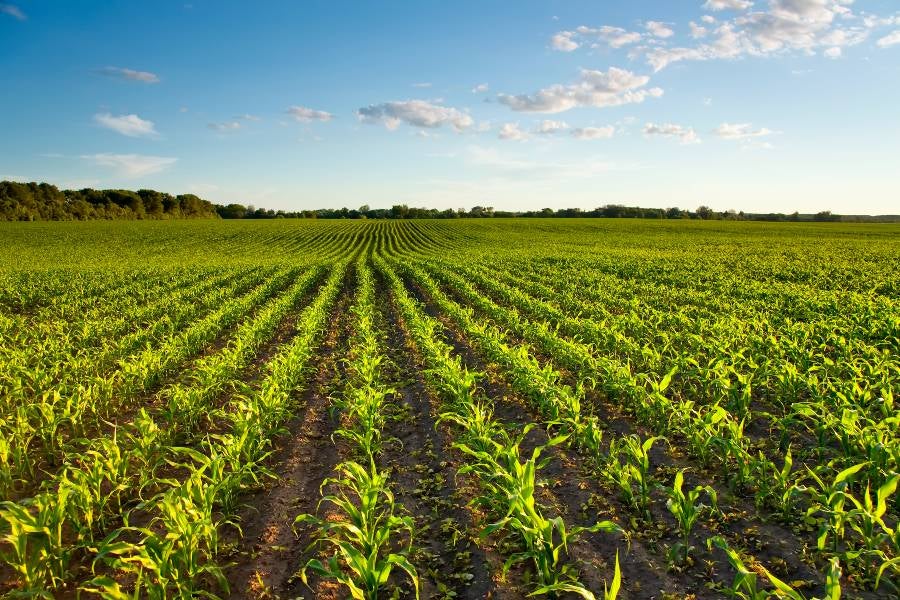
x=548 y=126
x=614 y=37
x=805 y=26
x=129 y=125
x=659 y=29
x=131 y=165
x=226 y=126
x=729 y=4
x=598 y=89
x=892 y=39
x=247 y=117
x=708 y=19
x=511 y=131
x=12 y=10
x=594 y=133
x=686 y=135
x=480 y=88
x=740 y=131
x=834 y=52
x=308 y=115
x=423 y=84
x=563 y=41
x=416 y=113
x=130 y=74
x=697 y=31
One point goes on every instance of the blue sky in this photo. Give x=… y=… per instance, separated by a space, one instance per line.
x=765 y=105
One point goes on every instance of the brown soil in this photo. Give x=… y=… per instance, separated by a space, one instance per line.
x=269 y=554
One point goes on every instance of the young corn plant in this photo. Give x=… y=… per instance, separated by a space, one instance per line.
x=687 y=510
x=173 y=555
x=746 y=583
x=867 y=520
x=508 y=480
x=364 y=539
x=37 y=551
x=628 y=469
x=830 y=501
x=778 y=488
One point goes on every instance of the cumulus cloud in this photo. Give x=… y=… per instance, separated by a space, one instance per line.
x=593 y=133
x=804 y=26
x=614 y=37
x=415 y=113
x=12 y=10
x=308 y=115
x=511 y=131
x=659 y=29
x=598 y=89
x=892 y=39
x=686 y=135
x=548 y=127
x=131 y=166
x=834 y=52
x=740 y=131
x=480 y=88
x=697 y=31
x=129 y=125
x=564 y=42
x=728 y=4
x=130 y=74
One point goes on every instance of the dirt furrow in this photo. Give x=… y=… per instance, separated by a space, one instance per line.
x=269 y=553
x=450 y=563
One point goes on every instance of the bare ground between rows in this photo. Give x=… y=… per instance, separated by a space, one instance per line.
x=449 y=561
x=774 y=545
x=268 y=554
x=573 y=492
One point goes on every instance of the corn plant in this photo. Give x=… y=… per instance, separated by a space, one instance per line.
x=778 y=487
x=364 y=538
x=746 y=581
x=628 y=469
x=36 y=549
x=687 y=510
x=829 y=499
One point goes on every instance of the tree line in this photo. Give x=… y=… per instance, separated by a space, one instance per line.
x=45 y=202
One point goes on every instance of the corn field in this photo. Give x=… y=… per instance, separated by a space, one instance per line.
x=483 y=408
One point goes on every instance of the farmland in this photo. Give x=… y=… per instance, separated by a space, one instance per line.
x=454 y=409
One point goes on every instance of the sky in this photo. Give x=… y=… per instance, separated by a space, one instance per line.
x=761 y=106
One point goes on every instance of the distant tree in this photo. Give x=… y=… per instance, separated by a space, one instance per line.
x=482 y=211
x=399 y=211
x=826 y=215
x=705 y=212
x=232 y=211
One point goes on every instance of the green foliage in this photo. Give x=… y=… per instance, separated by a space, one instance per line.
x=145 y=369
